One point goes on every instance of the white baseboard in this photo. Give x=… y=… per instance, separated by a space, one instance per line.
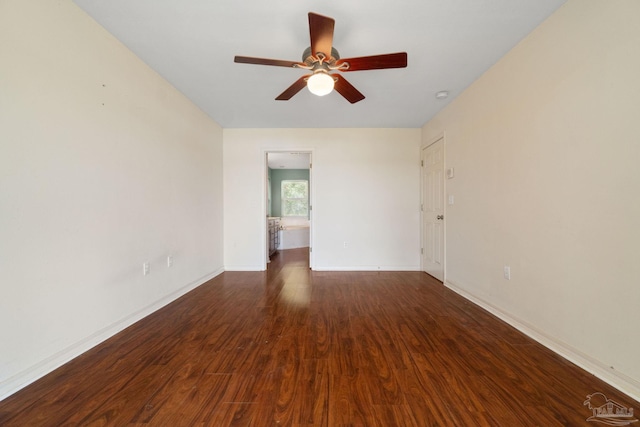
x=40 y=369
x=616 y=379
x=370 y=268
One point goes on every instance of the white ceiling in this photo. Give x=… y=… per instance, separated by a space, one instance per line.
x=192 y=43
x=288 y=160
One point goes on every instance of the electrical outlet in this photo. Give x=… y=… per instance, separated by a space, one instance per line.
x=169 y=260
x=507 y=272
x=145 y=268
x=346 y=244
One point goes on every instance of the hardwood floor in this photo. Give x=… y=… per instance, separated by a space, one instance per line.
x=291 y=347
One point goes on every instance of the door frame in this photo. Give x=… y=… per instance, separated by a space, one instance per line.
x=423 y=147
x=265 y=195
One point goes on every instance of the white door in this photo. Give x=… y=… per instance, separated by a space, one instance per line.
x=433 y=209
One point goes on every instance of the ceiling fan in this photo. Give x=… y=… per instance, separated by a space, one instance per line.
x=321 y=59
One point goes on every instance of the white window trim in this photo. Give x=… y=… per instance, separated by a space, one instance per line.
x=282 y=198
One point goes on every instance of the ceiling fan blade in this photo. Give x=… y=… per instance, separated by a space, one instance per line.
x=263 y=61
x=293 y=89
x=321 y=32
x=375 y=62
x=346 y=89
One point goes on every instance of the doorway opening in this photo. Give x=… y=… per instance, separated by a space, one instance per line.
x=288 y=204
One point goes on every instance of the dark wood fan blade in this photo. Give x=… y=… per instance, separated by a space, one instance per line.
x=346 y=89
x=293 y=89
x=321 y=33
x=375 y=62
x=263 y=61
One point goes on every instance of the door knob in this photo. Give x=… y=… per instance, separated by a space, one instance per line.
x=440 y=217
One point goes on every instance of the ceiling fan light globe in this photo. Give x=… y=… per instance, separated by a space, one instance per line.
x=320 y=84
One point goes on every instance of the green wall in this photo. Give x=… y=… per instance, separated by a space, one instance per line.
x=277 y=176
x=269 y=196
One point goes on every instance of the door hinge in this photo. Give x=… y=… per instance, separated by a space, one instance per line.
x=422 y=163
x=310 y=249
x=310 y=207
x=310 y=165
x=422 y=208
x=422 y=251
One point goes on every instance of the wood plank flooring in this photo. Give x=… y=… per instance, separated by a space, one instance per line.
x=292 y=347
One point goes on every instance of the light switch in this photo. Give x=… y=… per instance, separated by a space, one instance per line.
x=450 y=173
x=451 y=199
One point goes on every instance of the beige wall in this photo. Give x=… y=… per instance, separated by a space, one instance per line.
x=545 y=148
x=364 y=191
x=103 y=166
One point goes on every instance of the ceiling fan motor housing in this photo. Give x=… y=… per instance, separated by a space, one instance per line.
x=307 y=56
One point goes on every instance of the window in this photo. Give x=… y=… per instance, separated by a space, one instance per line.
x=295 y=198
